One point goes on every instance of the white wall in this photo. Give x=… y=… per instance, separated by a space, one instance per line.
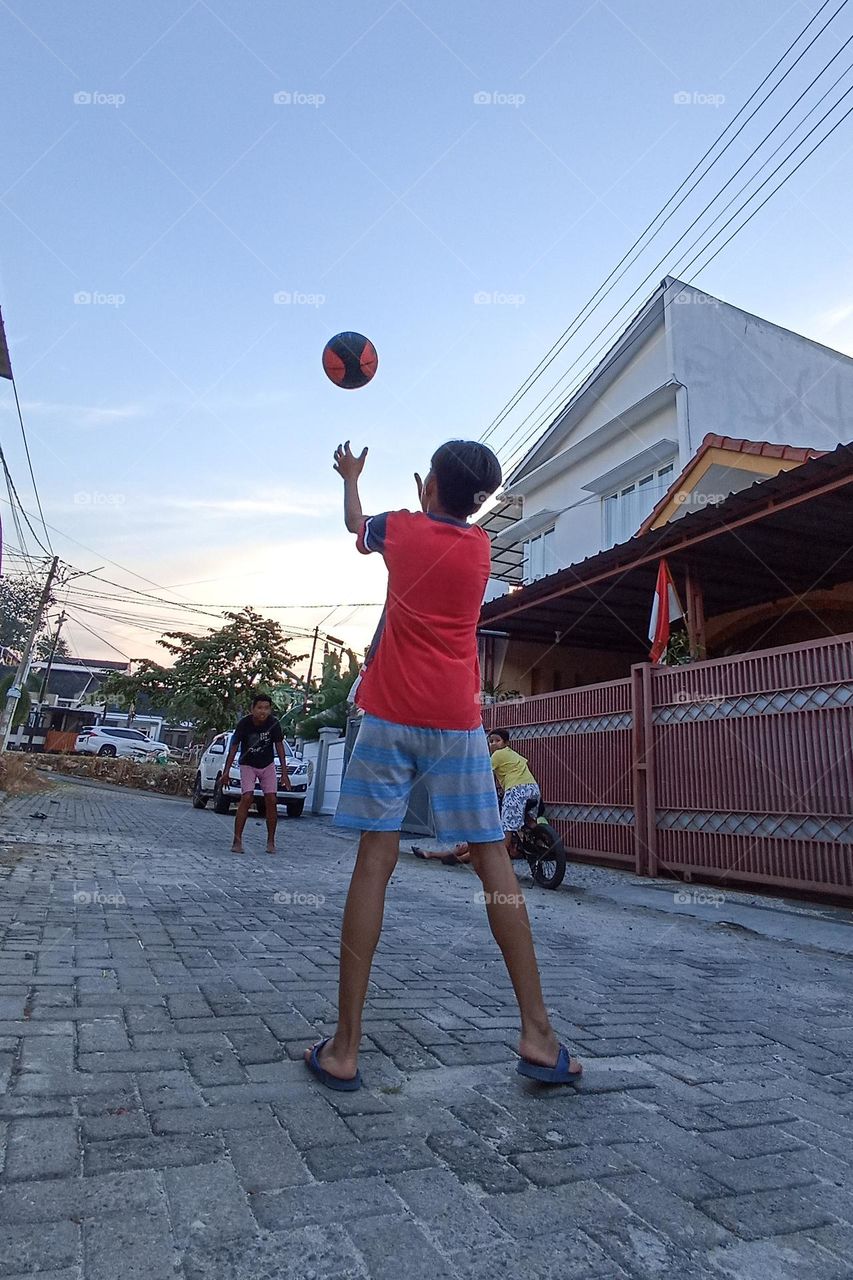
x=750 y=379
x=310 y=751
x=646 y=370
x=334 y=774
x=579 y=530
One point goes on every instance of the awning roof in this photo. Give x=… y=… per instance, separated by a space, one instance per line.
x=787 y=536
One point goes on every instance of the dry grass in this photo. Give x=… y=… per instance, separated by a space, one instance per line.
x=173 y=780
x=18 y=775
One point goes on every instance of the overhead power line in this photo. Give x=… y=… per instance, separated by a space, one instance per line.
x=563 y=398
x=624 y=264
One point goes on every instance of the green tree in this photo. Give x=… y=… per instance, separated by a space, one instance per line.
x=327 y=700
x=19 y=598
x=213 y=677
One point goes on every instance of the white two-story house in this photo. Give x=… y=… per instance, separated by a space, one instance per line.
x=686 y=367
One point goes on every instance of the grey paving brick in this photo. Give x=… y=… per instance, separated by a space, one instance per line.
x=212 y=1119
x=404 y=1123
x=41 y=1147
x=120 y=1123
x=266 y=1161
x=215 y=1066
x=132 y=1060
x=573 y=1164
x=306 y=1253
x=453 y=1217
x=759 y=1214
x=783 y=1258
x=54 y=1199
x=103 y=1035
x=24 y=1251
x=473 y=1160
x=360 y=1159
x=311 y=1121
x=758 y=1140
x=382 y=1242
x=133 y=1246
x=323 y=1202
x=746 y=1114
x=255 y=1045
x=161 y=1089
x=670 y=1214
x=207 y=1204
x=567 y=1253
x=149 y=1153
x=540 y=1211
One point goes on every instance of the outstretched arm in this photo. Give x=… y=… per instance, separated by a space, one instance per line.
x=350 y=468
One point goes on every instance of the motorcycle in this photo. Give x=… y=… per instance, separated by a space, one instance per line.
x=539 y=844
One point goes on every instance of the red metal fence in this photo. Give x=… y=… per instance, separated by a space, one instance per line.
x=738 y=769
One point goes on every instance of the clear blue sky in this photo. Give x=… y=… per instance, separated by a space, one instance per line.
x=193 y=417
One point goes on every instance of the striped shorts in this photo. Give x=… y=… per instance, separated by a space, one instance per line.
x=454 y=765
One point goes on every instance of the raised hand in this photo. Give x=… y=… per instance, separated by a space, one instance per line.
x=347 y=464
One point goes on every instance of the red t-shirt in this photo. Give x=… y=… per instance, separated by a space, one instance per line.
x=423 y=668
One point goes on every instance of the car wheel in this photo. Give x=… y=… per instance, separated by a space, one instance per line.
x=294 y=808
x=260 y=806
x=199 y=800
x=107 y=751
x=221 y=803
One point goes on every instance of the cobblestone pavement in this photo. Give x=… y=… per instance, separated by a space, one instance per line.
x=156 y=993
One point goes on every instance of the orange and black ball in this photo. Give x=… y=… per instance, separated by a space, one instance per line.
x=349 y=360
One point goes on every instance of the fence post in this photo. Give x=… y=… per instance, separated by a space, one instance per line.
x=638 y=763
x=645 y=830
x=327 y=736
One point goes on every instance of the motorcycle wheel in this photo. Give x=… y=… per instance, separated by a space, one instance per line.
x=546 y=854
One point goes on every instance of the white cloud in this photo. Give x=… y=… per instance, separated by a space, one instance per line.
x=83 y=415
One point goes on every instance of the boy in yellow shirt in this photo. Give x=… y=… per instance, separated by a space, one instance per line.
x=518 y=786
x=515 y=781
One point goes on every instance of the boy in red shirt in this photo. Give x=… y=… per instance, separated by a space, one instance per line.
x=420 y=692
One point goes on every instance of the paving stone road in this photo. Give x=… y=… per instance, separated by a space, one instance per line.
x=156 y=1120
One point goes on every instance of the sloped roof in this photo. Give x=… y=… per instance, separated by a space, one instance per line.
x=780 y=538
x=729 y=444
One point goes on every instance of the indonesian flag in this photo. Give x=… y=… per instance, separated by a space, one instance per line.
x=666 y=607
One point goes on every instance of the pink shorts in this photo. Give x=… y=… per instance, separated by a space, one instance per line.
x=267 y=777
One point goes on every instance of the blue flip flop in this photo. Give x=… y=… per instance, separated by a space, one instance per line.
x=325 y=1077
x=558 y=1074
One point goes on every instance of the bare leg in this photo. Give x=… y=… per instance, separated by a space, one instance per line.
x=511 y=930
x=362 y=925
x=272 y=819
x=460 y=849
x=240 y=821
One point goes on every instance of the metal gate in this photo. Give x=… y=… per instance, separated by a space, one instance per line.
x=735 y=769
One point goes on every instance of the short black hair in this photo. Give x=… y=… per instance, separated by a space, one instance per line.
x=466 y=473
x=261 y=697
x=499 y=733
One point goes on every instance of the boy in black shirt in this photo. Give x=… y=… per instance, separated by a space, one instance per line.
x=257 y=737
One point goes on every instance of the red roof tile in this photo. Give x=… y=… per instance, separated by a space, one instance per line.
x=756 y=448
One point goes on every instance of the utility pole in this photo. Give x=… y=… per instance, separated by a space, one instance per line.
x=51 y=656
x=45 y=677
x=310 y=670
x=24 y=665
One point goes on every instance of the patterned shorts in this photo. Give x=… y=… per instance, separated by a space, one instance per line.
x=512 y=809
x=455 y=766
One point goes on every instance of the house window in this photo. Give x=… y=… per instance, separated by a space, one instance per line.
x=626 y=509
x=539 y=557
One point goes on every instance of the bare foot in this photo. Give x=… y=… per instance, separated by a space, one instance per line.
x=543 y=1048
x=237 y=847
x=270 y=848
x=344 y=1066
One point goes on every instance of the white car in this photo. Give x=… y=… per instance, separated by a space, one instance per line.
x=209 y=783
x=104 y=740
